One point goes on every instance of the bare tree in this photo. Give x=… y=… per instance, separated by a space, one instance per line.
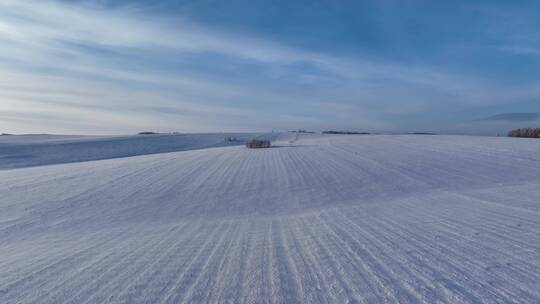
x=525 y=132
x=258 y=143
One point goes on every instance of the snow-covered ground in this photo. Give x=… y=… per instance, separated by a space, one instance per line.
x=319 y=219
x=35 y=150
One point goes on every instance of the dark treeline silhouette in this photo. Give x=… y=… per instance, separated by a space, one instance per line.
x=423 y=133
x=343 y=132
x=258 y=143
x=303 y=131
x=147 y=133
x=525 y=132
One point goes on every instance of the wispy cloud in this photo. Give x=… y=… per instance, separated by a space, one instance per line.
x=521 y=49
x=108 y=70
x=515 y=117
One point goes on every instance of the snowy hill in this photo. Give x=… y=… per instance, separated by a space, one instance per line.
x=318 y=219
x=35 y=150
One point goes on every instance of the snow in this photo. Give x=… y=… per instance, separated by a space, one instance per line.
x=34 y=150
x=318 y=219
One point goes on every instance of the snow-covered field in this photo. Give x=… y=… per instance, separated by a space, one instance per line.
x=35 y=150
x=319 y=219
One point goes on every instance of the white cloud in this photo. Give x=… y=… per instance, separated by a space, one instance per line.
x=53 y=72
x=521 y=49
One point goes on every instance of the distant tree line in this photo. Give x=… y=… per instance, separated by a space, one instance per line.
x=423 y=133
x=258 y=143
x=154 y=133
x=525 y=132
x=343 y=132
x=147 y=133
x=302 y=131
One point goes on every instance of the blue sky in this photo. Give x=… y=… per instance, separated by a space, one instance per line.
x=109 y=67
